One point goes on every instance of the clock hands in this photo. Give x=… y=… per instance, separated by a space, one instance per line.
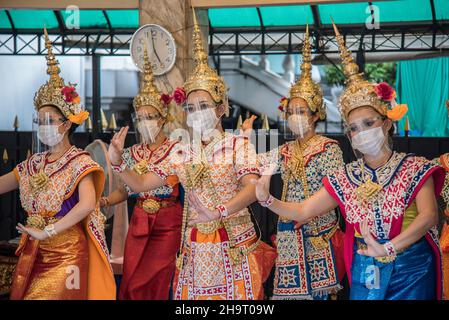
x=154 y=50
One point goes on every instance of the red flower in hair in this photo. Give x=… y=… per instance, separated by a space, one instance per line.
x=283 y=104
x=70 y=94
x=385 y=91
x=179 y=95
x=166 y=99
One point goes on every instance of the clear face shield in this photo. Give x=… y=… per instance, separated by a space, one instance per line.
x=201 y=118
x=147 y=125
x=297 y=121
x=368 y=138
x=48 y=131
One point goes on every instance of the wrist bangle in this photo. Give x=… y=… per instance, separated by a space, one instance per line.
x=223 y=210
x=119 y=168
x=106 y=201
x=50 y=230
x=390 y=249
x=267 y=202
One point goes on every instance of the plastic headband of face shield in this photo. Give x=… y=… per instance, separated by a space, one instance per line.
x=362 y=125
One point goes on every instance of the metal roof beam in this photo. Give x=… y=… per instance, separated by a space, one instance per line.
x=256 y=3
x=63 y=4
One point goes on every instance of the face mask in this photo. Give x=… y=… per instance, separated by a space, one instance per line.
x=149 y=130
x=203 y=121
x=49 y=135
x=299 y=124
x=369 y=142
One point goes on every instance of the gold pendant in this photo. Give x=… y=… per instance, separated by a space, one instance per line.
x=367 y=190
x=197 y=170
x=318 y=243
x=151 y=206
x=141 y=168
x=39 y=182
x=36 y=221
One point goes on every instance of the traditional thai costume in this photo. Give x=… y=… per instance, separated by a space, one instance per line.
x=387 y=197
x=73 y=264
x=154 y=233
x=443 y=160
x=220 y=259
x=310 y=263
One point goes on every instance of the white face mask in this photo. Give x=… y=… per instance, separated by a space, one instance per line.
x=149 y=129
x=369 y=142
x=203 y=121
x=299 y=124
x=49 y=135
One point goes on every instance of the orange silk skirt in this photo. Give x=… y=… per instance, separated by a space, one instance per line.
x=208 y=272
x=444 y=242
x=59 y=271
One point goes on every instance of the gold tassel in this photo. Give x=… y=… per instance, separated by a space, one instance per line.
x=104 y=121
x=112 y=123
x=89 y=124
x=28 y=154
x=5 y=156
x=239 y=122
x=265 y=123
x=407 y=125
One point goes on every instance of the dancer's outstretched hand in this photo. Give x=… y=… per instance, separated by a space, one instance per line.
x=116 y=146
x=247 y=125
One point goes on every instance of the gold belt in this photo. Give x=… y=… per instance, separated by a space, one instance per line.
x=212 y=226
x=152 y=206
x=40 y=222
x=322 y=241
x=384 y=259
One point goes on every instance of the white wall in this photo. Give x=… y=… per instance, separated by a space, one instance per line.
x=21 y=77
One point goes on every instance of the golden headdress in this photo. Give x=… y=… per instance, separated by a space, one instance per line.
x=149 y=95
x=305 y=87
x=359 y=92
x=55 y=93
x=203 y=77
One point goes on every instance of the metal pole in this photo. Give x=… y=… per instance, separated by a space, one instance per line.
x=96 y=95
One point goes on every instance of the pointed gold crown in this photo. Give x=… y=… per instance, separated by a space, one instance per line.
x=55 y=93
x=358 y=92
x=149 y=95
x=305 y=87
x=203 y=77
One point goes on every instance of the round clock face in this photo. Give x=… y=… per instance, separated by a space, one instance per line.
x=160 y=45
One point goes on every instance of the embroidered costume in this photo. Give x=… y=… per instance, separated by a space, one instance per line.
x=443 y=160
x=310 y=260
x=155 y=228
x=154 y=233
x=73 y=264
x=220 y=259
x=386 y=197
x=310 y=263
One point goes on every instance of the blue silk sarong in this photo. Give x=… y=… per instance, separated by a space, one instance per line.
x=411 y=276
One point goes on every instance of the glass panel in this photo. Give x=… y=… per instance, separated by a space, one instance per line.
x=123 y=18
x=344 y=13
x=286 y=15
x=4 y=21
x=34 y=19
x=405 y=10
x=442 y=9
x=234 y=17
x=88 y=18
